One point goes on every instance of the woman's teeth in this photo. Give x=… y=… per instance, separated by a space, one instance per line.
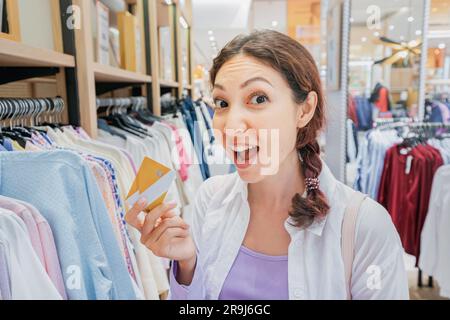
x=245 y=153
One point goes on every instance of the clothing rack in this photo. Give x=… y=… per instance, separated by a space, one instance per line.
x=409 y=123
x=35 y=110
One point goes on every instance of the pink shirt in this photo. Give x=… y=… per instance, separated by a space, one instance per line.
x=41 y=237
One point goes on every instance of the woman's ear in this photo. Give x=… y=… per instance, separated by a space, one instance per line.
x=307 y=109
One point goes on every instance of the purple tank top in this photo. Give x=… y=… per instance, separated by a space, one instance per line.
x=256 y=276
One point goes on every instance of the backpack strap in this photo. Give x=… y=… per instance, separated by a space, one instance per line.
x=348 y=236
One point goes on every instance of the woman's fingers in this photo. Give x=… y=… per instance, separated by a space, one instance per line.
x=162 y=245
x=132 y=216
x=152 y=217
x=155 y=232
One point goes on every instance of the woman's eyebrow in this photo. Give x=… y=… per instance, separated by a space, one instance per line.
x=246 y=83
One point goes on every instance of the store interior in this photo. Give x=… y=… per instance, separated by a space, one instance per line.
x=115 y=67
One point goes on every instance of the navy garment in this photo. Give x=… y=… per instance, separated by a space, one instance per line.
x=62 y=187
x=364 y=111
x=190 y=117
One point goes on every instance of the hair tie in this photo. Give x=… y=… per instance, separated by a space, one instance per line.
x=312 y=184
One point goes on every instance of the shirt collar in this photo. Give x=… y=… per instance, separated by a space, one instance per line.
x=328 y=185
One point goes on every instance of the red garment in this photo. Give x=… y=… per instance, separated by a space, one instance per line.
x=406 y=196
x=383 y=103
x=351 y=110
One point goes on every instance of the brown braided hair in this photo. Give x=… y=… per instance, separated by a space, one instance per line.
x=297 y=66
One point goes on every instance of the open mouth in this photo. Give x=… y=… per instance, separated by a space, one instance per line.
x=245 y=155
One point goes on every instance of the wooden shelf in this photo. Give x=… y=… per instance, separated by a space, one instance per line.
x=104 y=73
x=168 y=83
x=16 y=54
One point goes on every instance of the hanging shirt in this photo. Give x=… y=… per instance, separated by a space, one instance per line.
x=5 y=288
x=41 y=237
x=61 y=186
x=435 y=243
x=27 y=276
x=405 y=190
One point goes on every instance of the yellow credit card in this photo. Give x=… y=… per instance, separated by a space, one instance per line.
x=152 y=182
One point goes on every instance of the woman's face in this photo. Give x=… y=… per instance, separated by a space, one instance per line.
x=256 y=116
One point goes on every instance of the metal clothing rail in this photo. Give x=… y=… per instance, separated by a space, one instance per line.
x=34 y=110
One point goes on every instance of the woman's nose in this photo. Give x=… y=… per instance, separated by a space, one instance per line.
x=235 y=121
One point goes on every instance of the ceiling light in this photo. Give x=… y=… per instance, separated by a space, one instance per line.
x=391 y=27
x=376 y=34
x=210 y=32
x=274 y=23
x=410 y=19
x=363 y=39
x=418 y=32
x=352 y=20
x=434 y=9
x=441 y=45
x=212 y=39
x=404 y=9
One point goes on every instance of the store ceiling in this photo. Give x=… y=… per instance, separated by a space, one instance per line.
x=397 y=25
x=217 y=21
x=227 y=18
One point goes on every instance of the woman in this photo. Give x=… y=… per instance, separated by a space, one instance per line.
x=273 y=234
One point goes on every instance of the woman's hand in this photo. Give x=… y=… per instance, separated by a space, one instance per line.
x=164 y=233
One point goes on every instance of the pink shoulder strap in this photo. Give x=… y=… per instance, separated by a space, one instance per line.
x=348 y=237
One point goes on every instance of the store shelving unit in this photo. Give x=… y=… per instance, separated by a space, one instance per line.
x=76 y=75
x=104 y=73
x=14 y=54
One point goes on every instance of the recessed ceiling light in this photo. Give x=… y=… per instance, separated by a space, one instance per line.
x=391 y=27
x=352 y=20
x=441 y=45
x=363 y=39
x=418 y=32
x=210 y=32
x=274 y=23
x=410 y=19
x=212 y=39
x=404 y=9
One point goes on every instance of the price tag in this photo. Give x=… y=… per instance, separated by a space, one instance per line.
x=409 y=160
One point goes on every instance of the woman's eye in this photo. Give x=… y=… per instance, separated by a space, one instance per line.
x=258 y=99
x=220 y=103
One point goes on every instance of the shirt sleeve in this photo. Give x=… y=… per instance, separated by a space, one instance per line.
x=196 y=290
x=378 y=267
x=183 y=292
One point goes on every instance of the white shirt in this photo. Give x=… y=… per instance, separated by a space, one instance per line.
x=435 y=240
x=316 y=268
x=28 y=278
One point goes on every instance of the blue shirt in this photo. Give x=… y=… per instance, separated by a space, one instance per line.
x=61 y=186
